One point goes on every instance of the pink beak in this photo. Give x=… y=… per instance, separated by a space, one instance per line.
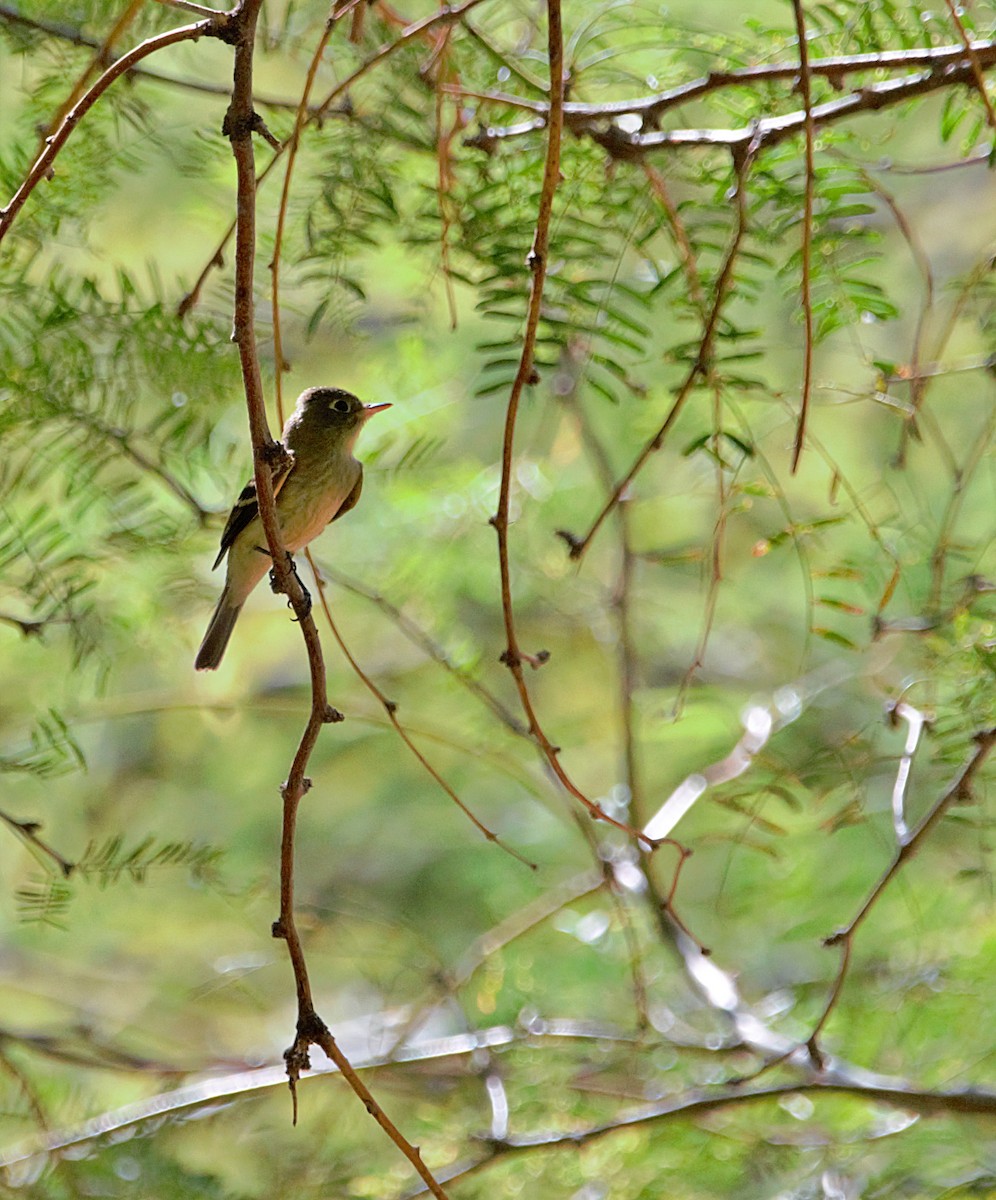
x=370 y=409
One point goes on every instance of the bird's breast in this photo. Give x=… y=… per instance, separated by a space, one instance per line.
x=311 y=497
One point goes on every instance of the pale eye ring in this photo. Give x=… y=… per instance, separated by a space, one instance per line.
x=341 y=405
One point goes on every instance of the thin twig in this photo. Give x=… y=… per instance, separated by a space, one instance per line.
x=805 y=88
x=391 y=710
x=700 y=368
x=100 y=59
x=598 y=122
x=537 y=263
x=292 y=143
x=42 y=168
x=658 y=185
x=419 y=637
x=28 y=832
x=958 y=790
x=980 y=81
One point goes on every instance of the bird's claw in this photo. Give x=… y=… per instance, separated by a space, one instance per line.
x=275 y=585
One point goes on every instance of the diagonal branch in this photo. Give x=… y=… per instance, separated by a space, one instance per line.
x=42 y=169
x=910 y=841
x=699 y=370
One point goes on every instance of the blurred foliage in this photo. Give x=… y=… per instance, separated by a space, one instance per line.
x=501 y=1011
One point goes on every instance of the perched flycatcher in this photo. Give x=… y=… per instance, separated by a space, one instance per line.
x=323 y=483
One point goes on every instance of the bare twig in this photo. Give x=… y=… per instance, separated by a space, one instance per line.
x=700 y=368
x=908 y=845
x=240 y=124
x=391 y=711
x=419 y=637
x=598 y=122
x=513 y=657
x=805 y=88
x=28 y=832
x=973 y=57
x=42 y=168
x=292 y=143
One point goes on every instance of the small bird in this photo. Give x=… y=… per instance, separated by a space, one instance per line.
x=323 y=483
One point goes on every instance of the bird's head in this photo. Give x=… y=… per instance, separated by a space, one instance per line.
x=335 y=408
x=332 y=417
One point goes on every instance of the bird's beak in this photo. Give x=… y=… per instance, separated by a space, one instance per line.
x=370 y=409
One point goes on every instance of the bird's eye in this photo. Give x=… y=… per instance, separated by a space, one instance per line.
x=341 y=406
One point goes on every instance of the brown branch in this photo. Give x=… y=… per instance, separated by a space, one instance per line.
x=698 y=1102
x=805 y=87
x=42 y=169
x=513 y=656
x=418 y=636
x=28 y=832
x=444 y=172
x=240 y=124
x=100 y=59
x=701 y=367
x=909 y=844
x=980 y=81
x=658 y=185
x=391 y=710
x=411 y=33
x=279 y=363
x=947 y=66
x=69 y=33
x=651 y=108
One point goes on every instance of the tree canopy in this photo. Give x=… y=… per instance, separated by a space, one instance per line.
x=617 y=820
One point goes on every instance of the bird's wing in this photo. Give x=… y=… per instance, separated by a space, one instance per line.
x=245 y=510
x=352 y=499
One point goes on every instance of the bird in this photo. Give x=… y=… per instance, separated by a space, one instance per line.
x=323 y=483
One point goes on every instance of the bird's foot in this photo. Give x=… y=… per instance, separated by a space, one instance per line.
x=275 y=585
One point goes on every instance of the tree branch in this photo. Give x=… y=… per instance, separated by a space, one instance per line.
x=946 y=66
x=42 y=169
x=958 y=790
x=699 y=370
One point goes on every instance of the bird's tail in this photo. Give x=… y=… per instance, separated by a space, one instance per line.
x=218 y=632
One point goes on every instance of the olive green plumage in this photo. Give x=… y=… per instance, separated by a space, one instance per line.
x=323 y=483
